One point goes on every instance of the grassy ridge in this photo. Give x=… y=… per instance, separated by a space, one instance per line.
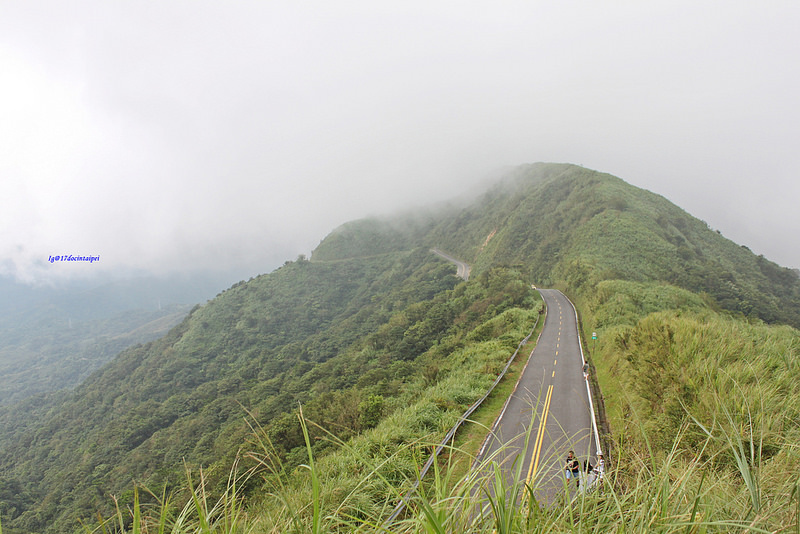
x=726 y=387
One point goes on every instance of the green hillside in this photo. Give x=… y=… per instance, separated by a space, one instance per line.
x=383 y=346
x=47 y=356
x=54 y=337
x=329 y=335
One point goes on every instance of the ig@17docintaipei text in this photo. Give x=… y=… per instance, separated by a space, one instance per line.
x=70 y=257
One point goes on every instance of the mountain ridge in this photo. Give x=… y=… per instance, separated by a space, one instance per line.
x=606 y=228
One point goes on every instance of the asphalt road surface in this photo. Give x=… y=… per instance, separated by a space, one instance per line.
x=462 y=269
x=549 y=412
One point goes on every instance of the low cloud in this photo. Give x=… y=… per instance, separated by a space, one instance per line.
x=195 y=135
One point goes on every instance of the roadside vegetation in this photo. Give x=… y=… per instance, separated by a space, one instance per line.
x=705 y=440
x=681 y=489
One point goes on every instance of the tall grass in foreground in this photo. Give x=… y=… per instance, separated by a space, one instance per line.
x=200 y=514
x=687 y=490
x=708 y=441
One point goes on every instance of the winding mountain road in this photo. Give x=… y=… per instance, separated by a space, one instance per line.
x=549 y=413
x=462 y=269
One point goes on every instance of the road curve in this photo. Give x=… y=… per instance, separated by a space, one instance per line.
x=462 y=269
x=550 y=406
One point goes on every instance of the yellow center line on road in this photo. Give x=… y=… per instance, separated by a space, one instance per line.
x=537 y=446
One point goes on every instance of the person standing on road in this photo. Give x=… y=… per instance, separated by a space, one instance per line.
x=600 y=467
x=573 y=468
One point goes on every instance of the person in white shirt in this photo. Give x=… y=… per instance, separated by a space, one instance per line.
x=600 y=466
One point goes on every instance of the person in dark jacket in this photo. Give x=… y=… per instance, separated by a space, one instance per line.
x=573 y=468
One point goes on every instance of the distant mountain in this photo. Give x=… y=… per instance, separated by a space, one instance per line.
x=53 y=337
x=370 y=319
x=97 y=298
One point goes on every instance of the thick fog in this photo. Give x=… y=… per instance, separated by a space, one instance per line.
x=168 y=136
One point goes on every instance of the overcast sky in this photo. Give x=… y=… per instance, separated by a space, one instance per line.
x=207 y=134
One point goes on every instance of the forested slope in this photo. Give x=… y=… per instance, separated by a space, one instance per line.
x=53 y=336
x=330 y=335
x=51 y=355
